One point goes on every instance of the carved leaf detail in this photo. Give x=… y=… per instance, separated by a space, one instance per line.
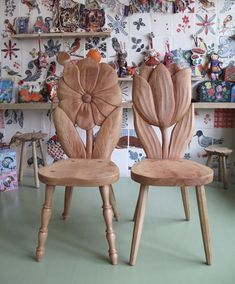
x=182 y=92
x=68 y=136
x=108 y=135
x=143 y=100
x=181 y=135
x=147 y=136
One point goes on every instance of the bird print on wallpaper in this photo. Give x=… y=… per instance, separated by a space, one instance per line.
x=10 y=72
x=205 y=141
x=74 y=46
x=31 y=4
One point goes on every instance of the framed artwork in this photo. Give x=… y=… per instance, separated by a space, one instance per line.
x=6 y=90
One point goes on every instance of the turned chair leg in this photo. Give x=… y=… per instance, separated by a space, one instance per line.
x=139 y=220
x=35 y=164
x=67 y=201
x=185 y=198
x=107 y=212
x=203 y=215
x=45 y=218
x=208 y=159
x=21 y=168
x=112 y=200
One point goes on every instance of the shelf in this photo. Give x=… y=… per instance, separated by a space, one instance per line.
x=41 y=106
x=62 y=35
x=214 y=105
x=48 y=106
x=125 y=79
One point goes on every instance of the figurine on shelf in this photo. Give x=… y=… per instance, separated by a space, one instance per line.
x=152 y=56
x=215 y=66
x=169 y=56
x=94 y=54
x=121 y=61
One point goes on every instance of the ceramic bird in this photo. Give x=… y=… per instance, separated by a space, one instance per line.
x=31 y=4
x=205 y=141
x=10 y=72
x=75 y=46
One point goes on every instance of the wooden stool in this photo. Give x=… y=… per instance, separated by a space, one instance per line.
x=33 y=137
x=222 y=153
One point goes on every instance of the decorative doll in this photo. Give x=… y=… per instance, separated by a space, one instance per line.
x=215 y=66
x=169 y=56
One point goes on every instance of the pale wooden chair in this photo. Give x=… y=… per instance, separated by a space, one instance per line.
x=162 y=98
x=89 y=96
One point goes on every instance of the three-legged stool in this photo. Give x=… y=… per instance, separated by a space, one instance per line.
x=33 y=137
x=222 y=153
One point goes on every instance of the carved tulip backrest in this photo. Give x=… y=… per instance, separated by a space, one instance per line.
x=89 y=96
x=162 y=98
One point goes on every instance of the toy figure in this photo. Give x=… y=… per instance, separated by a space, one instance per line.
x=122 y=63
x=168 y=58
x=151 y=57
x=198 y=54
x=215 y=66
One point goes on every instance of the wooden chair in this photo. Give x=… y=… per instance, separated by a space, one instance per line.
x=222 y=153
x=162 y=98
x=89 y=96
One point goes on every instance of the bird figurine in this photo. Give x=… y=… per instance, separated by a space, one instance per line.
x=31 y=4
x=10 y=72
x=205 y=141
x=74 y=46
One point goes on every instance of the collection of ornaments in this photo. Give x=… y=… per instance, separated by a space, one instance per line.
x=70 y=16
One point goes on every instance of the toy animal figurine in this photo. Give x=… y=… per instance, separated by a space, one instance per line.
x=169 y=56
x=198 y=52
x=122 y=64
x=21 y=25
x=215 y=66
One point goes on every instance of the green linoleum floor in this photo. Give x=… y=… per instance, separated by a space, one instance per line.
x=171 y=249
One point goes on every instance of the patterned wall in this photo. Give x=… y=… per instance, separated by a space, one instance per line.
x=213 y=21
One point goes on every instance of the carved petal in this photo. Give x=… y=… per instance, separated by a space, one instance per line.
x=89 y=71
x=107 y=78
x=163 y=95
x=111 y=96
x=182 y=134
x=71 y=75
x=143 y=100
x=84 y=117
x=68 y=135
x=108 y=135
x=103 y=107
x=98 y=116
x=147 y=136
x=183 y=93
x=66 y=92
x=70 y=107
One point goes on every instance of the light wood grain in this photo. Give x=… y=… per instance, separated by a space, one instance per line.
x=169 y=103
x=45 y=218
x=89 y=96
x=35 y=165
x=171 y=173
x=203 y=214
x=21 y=167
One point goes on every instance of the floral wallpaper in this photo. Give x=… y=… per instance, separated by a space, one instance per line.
x=131 y=23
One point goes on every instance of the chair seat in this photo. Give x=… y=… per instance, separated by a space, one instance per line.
x=80 y=172
x=218 y=150
x=171 y=173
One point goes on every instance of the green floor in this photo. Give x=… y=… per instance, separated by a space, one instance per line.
x=171 y=249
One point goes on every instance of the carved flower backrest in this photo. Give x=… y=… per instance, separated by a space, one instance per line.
x=162 y=98
x=89 y=96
